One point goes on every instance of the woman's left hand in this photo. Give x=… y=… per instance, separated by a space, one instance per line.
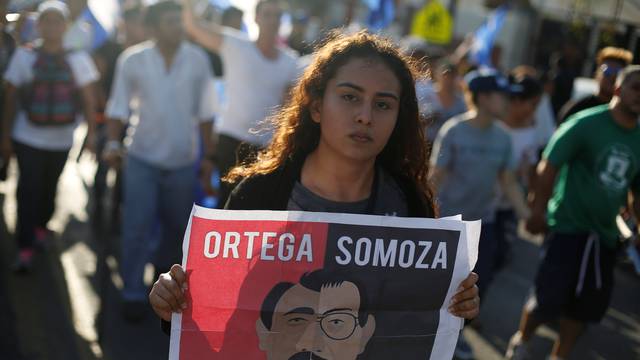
x=466 y=302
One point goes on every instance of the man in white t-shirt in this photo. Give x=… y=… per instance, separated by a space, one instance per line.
x=258 y=75
x=170 y=80
x=40 y=131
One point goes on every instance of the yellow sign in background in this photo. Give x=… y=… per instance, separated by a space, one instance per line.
x=433 y=23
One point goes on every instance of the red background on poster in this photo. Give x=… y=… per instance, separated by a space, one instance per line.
x=225 y=294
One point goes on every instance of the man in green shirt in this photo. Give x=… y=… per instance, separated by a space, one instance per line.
x=587 y=172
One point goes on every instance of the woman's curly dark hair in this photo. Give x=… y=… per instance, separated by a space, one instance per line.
x=406 y=154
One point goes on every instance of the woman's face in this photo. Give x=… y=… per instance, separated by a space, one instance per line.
x=52 y=26
x=358 y=111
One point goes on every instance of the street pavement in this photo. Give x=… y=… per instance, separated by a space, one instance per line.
x=69 y=308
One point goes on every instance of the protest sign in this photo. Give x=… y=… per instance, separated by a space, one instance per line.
x=298 y=285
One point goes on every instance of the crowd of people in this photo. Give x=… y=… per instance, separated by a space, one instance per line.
x=358 y=126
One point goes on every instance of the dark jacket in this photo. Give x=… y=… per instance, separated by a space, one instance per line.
x=272 y=192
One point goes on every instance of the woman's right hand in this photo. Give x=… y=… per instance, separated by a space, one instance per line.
x=167 y=294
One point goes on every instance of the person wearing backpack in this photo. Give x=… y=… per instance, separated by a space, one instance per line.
x=47 y=91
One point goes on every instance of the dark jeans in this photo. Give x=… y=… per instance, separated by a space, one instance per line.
x=231 y=152
x=100 y=182
x=152 y=193
x=100 y=178
x=506 y=231
x=37 y=186
x=487 y=251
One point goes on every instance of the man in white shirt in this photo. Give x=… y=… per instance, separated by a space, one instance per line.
x=170 y=80
x=48 y=91
x=258 y=75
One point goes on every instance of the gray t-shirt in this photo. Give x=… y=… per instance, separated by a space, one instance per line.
x=442 y=114
x=473 y=158
x=388 y=200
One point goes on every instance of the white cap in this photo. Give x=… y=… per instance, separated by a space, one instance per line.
x=54 y=6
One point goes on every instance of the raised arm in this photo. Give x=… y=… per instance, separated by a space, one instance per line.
x=208 y=36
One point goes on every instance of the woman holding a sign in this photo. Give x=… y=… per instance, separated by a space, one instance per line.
x=350 y=140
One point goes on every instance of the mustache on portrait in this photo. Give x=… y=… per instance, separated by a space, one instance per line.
x=306 y=356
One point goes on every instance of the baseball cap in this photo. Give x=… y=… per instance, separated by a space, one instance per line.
x=54 y=6
x=487 y=80
x=525 y=87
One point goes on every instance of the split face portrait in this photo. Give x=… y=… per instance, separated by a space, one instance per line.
x=324 y=316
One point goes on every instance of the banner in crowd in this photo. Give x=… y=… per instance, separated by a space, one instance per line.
x=381 y=13
x=296 y=285
x=433 y=23
x=485 y=37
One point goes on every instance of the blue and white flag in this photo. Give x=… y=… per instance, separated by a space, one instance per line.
x=382 y=13
x=102 y=16
x=485 y=37
x=90 y=30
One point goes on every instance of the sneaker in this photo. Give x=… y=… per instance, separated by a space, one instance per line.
x=517 y=349
x=24 y=262
x=463 y=349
